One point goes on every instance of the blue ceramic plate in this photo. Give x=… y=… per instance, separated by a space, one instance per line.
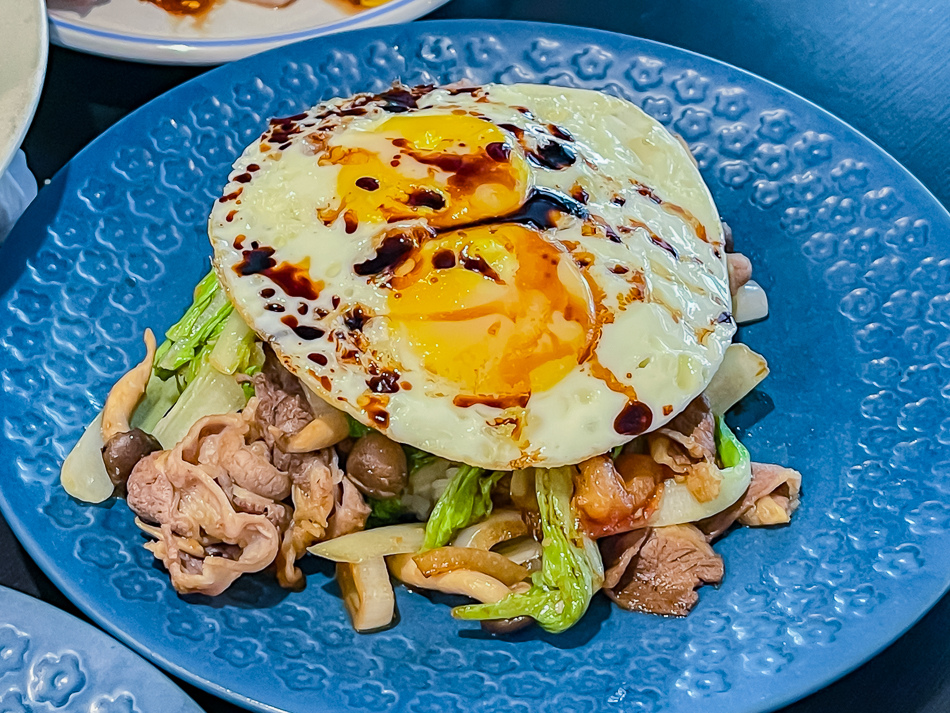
x=50 y=658
x=855 y=255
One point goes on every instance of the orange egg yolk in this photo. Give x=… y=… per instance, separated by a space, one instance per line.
x=496 y=310
x=447 y=168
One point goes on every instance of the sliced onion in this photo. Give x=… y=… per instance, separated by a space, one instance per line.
x=476 y=585
x=84 y=474
x=741 y=371
x=523 y=492
x=750 y=303
x=447 y=559
x=521 y=550
x=500 y=526
x=367 y=593
x=370 y=544
x=678 y=505
x=334 y=418
x=321 y=432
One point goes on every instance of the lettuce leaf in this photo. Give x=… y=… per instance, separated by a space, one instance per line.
x=390 y=511
x=466 y=500
x=208 y=344
x=416 y=458
x=730 y=450
x=200 y=324
x=357 y=429
x=571 y=567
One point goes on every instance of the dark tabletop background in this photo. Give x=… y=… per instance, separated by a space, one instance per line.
x=881 y=65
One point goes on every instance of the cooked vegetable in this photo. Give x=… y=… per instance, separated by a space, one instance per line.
x=571 y=569
x=367 y=544
x=446 y=559
x=750 y=303
x=84 y=475
x=123 y=451
x=426 y=485
x=740 y=372
x=357 y=429
x=522 y=550
x=480 y=587
x=320 y=433
x=498 y=527
x=209 y=392
x=386 y=512
x=367 y=593
x=233 y=346
x=127 y=392
x=208 y=338
x=378 y=466
x=523 y=489
x=677 y=503
x=203 y=321
x=417 y=458
x=466 y=500
x=160 y=396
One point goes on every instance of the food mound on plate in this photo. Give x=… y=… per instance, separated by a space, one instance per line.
x=476 y=339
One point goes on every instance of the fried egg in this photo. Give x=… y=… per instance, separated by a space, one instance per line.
x=505 y=276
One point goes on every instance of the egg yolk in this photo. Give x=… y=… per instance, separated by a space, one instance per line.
x=496 y=310
x=448 y=168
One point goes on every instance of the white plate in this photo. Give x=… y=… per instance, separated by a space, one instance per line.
x=138 y=30
x=23 y=48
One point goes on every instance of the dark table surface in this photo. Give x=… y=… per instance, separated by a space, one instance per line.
x=881 y=65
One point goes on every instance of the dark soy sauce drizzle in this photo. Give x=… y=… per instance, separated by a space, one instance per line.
x=387 y=382
x=389 y=254
x=635 y=419
x=255 y=261
x=303 y=331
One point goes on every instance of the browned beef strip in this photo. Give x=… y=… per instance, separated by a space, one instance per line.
x=663 y=569
x=777 y=485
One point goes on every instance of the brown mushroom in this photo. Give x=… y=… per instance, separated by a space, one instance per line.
x=124 y=450
x=378 y=466
x=506 y=626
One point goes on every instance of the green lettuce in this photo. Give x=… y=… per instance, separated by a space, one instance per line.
x=417 y=458
x=390 y=511
x=357 y=429
x=193 y=368
x=729 y=448
x=466 y=500
x=571 y=568
x=194 y=332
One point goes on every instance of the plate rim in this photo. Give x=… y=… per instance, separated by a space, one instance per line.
x=171 y=50
x=88 y=605
x=146 y=669
x=15 y=140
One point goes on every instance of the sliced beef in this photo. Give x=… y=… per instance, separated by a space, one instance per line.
x=693 y=437
x=771 y=499
x=215 y=503
x=313 y=495
x=150 y=494
x=281 y=410
x=659 y=572
x=247 y=463
x=190 y=510
x=350 y=511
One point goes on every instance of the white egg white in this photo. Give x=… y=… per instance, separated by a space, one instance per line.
x=649 y=248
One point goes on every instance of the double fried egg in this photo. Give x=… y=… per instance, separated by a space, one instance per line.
x=505 y=276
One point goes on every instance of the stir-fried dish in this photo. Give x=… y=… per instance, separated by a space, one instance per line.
x=476 y=340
